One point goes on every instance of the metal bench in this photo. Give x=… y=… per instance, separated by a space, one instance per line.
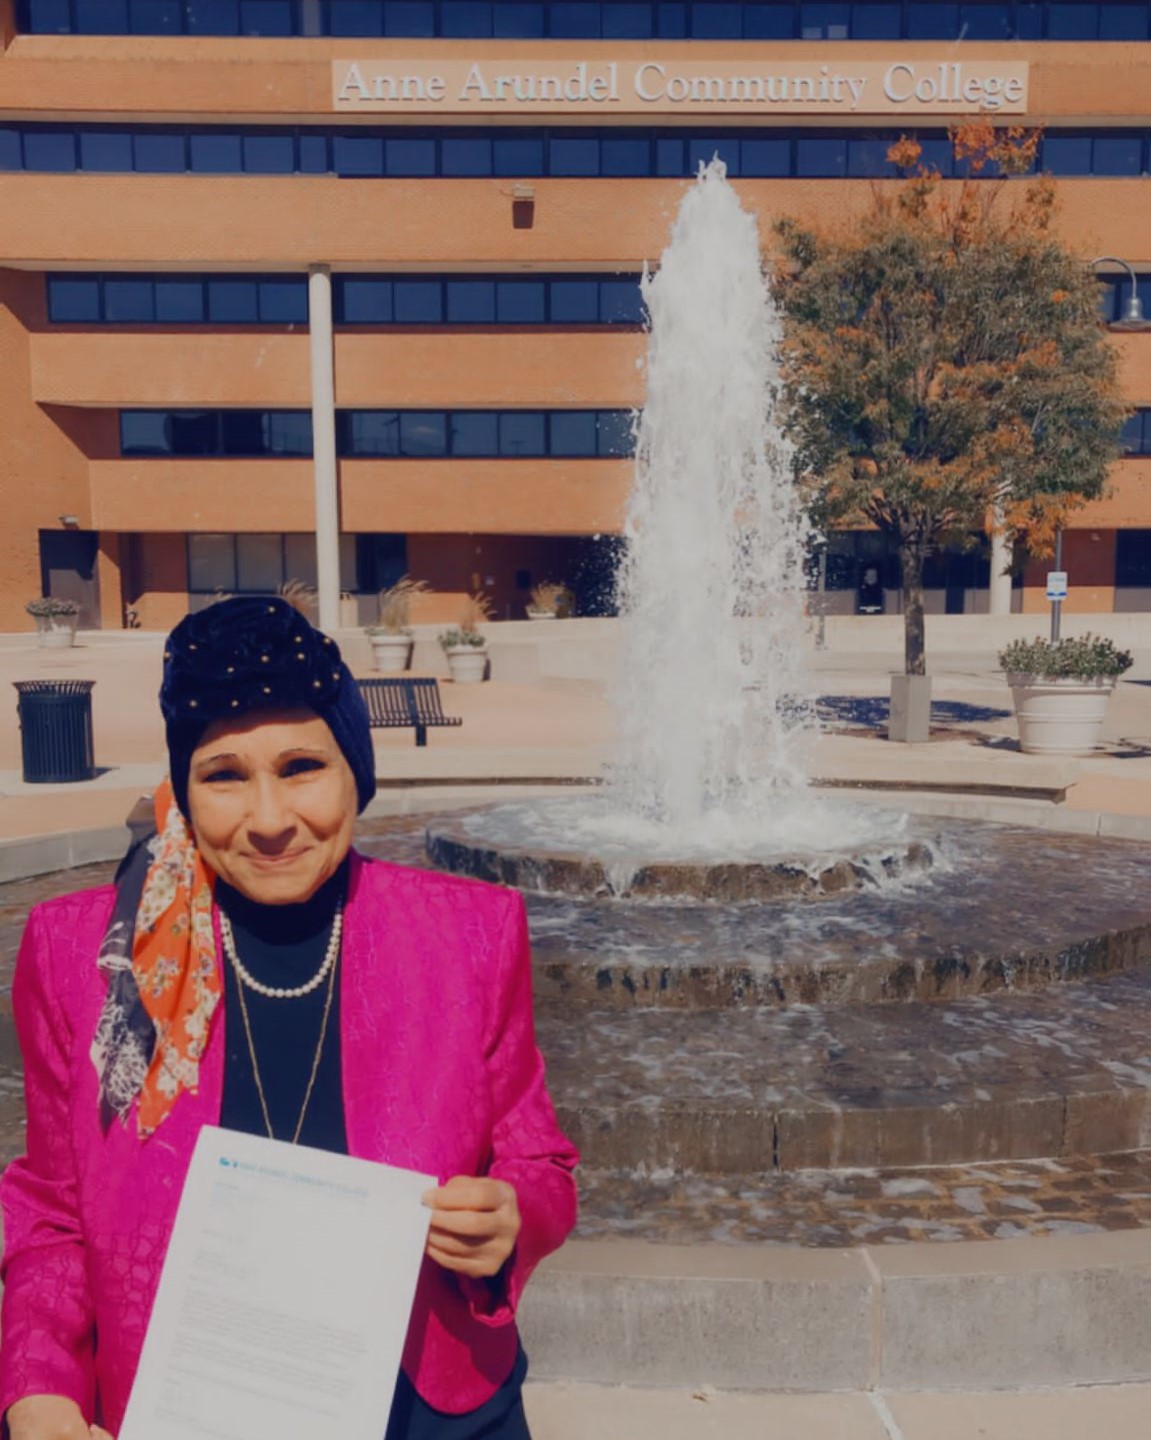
x=396 y=704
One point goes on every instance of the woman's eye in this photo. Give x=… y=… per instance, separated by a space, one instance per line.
x=302 y=765
x=223 y=775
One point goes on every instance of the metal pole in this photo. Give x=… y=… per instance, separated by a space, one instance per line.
x=1057 y=605
x=324 y=446
x=999 y=598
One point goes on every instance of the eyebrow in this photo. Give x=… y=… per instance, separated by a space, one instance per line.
x=283 y=755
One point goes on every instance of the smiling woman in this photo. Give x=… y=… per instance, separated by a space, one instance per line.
x=251 y=970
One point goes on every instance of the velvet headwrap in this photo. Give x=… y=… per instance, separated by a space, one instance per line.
x=258 y=653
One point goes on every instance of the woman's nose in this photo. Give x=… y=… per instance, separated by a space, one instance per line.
x=270 y=817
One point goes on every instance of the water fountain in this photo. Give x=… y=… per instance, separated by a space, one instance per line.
x=708 y=796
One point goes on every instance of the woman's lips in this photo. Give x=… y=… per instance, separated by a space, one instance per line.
x=272 y=862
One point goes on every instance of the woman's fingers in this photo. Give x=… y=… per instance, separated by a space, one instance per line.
x=474 y=1225
x=98 y=1434
x=470 y=1192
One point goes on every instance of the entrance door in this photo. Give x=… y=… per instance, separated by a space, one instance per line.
x=68 y=571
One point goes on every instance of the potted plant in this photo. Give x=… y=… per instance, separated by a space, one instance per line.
x=549 y=601
x=56 y=620
x=464 y=646
x=1061 y=689
x=391 y=636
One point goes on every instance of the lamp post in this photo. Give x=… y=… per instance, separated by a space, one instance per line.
x=1132 y=317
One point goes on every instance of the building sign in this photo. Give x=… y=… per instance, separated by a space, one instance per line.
x=663 y=87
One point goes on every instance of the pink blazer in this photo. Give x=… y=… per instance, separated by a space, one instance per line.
x=441 y=1074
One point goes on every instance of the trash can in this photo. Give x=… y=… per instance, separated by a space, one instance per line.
x=56 y=730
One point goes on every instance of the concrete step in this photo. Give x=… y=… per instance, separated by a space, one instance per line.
x=1065 y=1310
x=598 y=1412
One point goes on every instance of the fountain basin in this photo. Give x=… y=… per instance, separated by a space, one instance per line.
x=584 y=876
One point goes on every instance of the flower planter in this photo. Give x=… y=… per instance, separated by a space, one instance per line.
x=542 y=615
x=468 y=664
x=56 y=632
x=391 y=653
x=1060 y=715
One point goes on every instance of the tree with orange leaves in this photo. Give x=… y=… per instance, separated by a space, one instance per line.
x=944 y=361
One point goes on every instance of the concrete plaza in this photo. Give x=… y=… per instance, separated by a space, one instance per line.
x=544 y=720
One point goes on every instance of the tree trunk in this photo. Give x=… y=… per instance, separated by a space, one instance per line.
x=911 y=559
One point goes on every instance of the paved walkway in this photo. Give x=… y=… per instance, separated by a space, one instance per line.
x=557 y=725
x=588 y=1412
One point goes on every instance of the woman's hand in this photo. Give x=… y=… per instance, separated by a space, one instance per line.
x=50 y=1417
x=475 y=1223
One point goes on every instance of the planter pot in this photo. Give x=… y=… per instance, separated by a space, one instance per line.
x=468 y=664
x=1062 y=715
x=542 y=615
x=56 y=632
x=391 y=653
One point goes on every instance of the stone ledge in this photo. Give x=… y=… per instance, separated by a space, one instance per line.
x=1068 y=1310
x=27 y=856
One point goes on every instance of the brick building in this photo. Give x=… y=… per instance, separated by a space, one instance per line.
x=386 y=253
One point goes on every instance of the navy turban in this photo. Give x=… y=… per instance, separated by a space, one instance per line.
x=258 y=653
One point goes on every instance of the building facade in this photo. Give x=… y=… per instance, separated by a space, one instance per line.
x=369 y=270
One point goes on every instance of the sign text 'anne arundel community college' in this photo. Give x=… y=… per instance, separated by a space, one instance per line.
x=630 y=87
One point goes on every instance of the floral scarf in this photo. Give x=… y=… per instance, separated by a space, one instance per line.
x=159 y=956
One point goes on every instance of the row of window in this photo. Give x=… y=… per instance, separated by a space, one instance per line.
x=415 y=434
x=591 y=19
x=87 y=299
x=1136 y=438
x=159 y=150
x=1115 y=295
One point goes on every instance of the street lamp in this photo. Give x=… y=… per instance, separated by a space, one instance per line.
x=1132 y=317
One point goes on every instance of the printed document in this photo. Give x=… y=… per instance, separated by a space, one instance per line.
x=285 y=1296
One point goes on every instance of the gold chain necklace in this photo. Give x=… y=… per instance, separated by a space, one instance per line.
x=315 y=1059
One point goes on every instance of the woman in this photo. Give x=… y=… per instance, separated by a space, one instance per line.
x=250 y=969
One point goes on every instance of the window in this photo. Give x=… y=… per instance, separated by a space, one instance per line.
x=159 y=152
x=418 y=302
x=216 y=154
x=768 y=22
x=1123 y=22
x=475 y=433
x=876 y=22
x=423 y=433
x=1115 y=295
x=10 y=149
x=716 y=20
x=765 y=157
x=101 y=17
x=1072 y=22
x=269 y=154
x=411 y=157
x=233 y=300
x=574 y=433
x=284 y=300
x=415 y=19
x=144 y=432
x=522 y=433
x=471 y=302
x=1117 y=155
x=824 y=22
x=357 y=155
x=49 y=150
x=259 y=563
x=106 y=150
x=932 y=22
x=1133 y=559
x=519 y=20
x=520 y=302
x=128 y=301
x=73 y=299
x=370 y=432
x=575 y=302
x=472 y=156
x=626 y=21
x=179 y=301
x=1136 y=434
x=362 y=301
x=212 y=563
x=820 y=157
x=355 y=17
x=985 y=22
x=193 y=432
x=571 y=20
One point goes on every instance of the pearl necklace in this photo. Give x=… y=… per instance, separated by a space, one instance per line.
x=294 y=992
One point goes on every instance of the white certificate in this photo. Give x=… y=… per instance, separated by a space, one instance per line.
x=285 y=1296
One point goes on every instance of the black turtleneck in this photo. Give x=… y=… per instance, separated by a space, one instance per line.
x=283 y=945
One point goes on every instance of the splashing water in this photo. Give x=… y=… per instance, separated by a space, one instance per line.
x=710 y=700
